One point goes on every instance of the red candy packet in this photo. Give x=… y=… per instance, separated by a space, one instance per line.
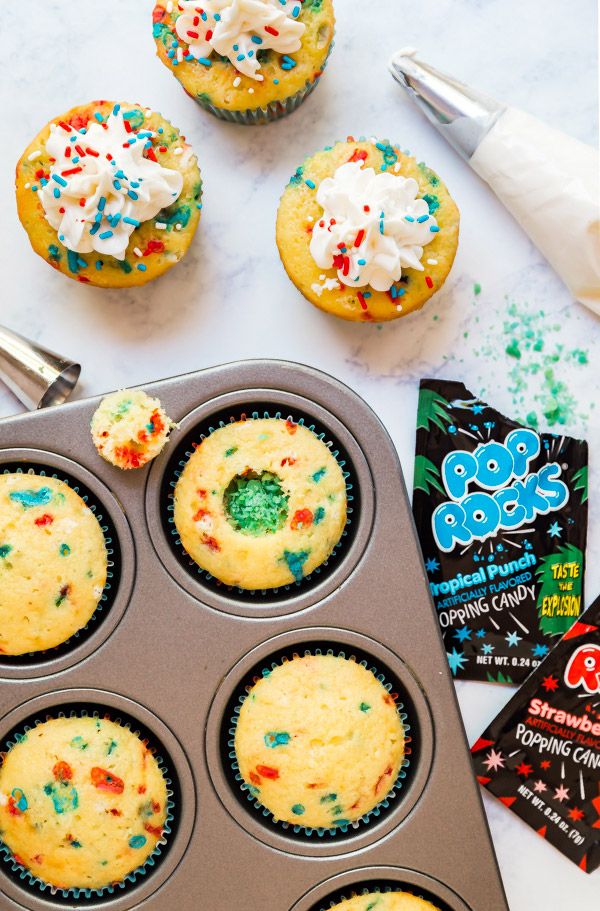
x=541 y=755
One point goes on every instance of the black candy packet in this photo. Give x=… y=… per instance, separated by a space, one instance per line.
x=501 y=512
x=541 y=755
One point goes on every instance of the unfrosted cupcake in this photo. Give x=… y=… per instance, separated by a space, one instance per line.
x=53 y=563
x=385 y=901
x=109 y=194
x=250 y=61
x=319 y=741
x=261 y=503
x=83 y=802
x=366 y=232
x=130 y=428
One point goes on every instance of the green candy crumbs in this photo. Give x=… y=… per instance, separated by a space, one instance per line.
x=275 y=739
x=434 y=204
x=64 y=550
x=298 y=809
x=476 y=288
x=320 y=473
x=295 y=562
x=256 y=504
x=136 y=118
x=513 y=350
x=229 y=452
x=319 y=515
x=329 y=798
x=364 y=707
x=79 y=743
x=5 y=549
x=112 y=746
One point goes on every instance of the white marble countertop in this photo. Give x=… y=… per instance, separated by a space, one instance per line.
x=231 y=298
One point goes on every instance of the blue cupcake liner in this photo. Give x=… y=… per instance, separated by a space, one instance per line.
x=111 y=585
x=362 y=821
x=39 y=885
x=376 y=889
x=292 y=586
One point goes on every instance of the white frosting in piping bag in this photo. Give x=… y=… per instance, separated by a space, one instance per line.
x=96 y=200
x=239 y=29
x=373 y=226
x=550 y=182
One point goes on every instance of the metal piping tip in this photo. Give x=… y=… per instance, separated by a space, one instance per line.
x=37 y=377
x=461 y=114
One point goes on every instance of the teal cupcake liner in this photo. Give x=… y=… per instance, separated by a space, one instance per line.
x=29 y=879
x=380 y=888
x=111 y=543
x=344 y=828
x=292 y=587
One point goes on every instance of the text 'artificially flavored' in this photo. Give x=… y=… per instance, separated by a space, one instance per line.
x=501 y=512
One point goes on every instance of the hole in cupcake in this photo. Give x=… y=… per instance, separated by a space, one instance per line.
x=38 y=496
x=256 y=503
x=368 y=694
x=294 y=564
x=87 y=765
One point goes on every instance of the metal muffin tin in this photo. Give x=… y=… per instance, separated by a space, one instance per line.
x=173 y=649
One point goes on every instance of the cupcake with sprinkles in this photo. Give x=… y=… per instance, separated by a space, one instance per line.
x=53 y=563
x=84 y=803
x=384 y=901
x=366 y=232
x=249 y=61
x=130 y=428
x=261 y=503
x=109 y=194
x=319 y=742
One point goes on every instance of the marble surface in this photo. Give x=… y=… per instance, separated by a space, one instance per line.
x=231 y=299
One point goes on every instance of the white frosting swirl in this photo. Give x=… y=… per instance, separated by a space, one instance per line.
x=373 y=225
x=238 y=29
x=95 y=200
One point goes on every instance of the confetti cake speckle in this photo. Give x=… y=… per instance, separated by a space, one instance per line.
x=83 y=802
x=319 y=741
x=261 y=503
x=53 y=563
x=109 y=194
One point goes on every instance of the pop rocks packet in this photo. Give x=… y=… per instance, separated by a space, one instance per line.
x=541 y=755
x=501 y=512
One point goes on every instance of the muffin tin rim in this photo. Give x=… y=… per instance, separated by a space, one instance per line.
x=363 y=875
x=403 y=804
x=348 y=560
x=46 y=665
x=186 y=811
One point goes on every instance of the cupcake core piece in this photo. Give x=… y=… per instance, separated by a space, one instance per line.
x=261 y=503
x=83 y=802
x=251 y=61
x=130 y=428
x=109 y=194
x=53 y=563
x=365 y=232
x=319 y=741
x=385 y=901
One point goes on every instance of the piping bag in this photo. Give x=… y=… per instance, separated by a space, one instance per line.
x=547 y=180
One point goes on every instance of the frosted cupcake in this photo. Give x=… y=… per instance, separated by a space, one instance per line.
x=261 y=503
x=385 y=901
x=83 y=802
x=250 y=61
x=53 y=563
x=319 y=742
x=109 y=194
x=365 y=232
x=130 y=428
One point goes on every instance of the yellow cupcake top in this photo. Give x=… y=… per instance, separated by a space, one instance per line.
x=130 y=428
x=53 y=563
x=319 y=741
x=83 y=802
x=261 y=503
x=385 y=901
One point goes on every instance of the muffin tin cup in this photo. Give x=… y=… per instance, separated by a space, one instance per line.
x=413 y=710
x=375 y=880
x=377 y=810
x=115 y=709
x=117 y=539
x=256 y=404
x=275 y=110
